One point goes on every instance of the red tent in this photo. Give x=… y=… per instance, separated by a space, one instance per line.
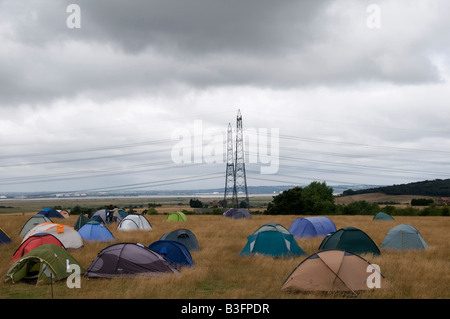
x=34 y=241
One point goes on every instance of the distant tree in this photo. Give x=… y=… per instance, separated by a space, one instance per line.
x=287 y=202
x=317 y=198
x=195 y=203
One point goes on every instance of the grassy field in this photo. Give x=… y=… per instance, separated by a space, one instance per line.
x=220 y=273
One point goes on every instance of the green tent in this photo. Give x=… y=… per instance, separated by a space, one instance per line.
x=42 y=264
x=382 y=216
x=177 y=217
x=273 y=227
x=272 y=243
x=404 y=237
x=81 y=220
x=351 y=239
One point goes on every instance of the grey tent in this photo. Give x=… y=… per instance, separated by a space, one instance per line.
x=33 y=221
x=382 y=216
x=237 y=213
x=184 y=236
x=128 y=260
x=404 y=237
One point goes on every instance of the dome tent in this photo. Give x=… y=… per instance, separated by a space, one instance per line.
x=351 y=239
x=33 y=221
x=332 y=270
x=50 y=213
x=177 y=217
x=237 y=213
x=45 y=263
x=67 y=235
x=272 y=227
x=33 y=242
x=94 y=231
x=134 y=222
x=404 y=237
x=184 y=236
x=272 y=243
x=128 y=260
x=311 y=227
x=382 y=216
x=172 y=251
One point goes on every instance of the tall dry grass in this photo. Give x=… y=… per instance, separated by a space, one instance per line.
x=220 y=273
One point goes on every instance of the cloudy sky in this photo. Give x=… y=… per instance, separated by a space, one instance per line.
x=139 y=96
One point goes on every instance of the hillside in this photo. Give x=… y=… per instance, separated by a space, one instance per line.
x=437 y=187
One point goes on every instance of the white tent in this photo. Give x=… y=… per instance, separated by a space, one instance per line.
x=67 y=235
x=134 y=222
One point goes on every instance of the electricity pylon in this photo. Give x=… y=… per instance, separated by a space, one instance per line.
x=230 y=186
x=235 y=171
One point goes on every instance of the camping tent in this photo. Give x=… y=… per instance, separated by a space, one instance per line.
x=35 y=241
x=127 y=260
x=94 y=231
x=134 y=222
x=81 y=220
x=172 y=251
x=50 y=213
x=118 y=215
x=237 y=213
x=33 y=221
x=311 y=227
x=272 y=227
x=4 y=238
x=68 y=236
x=404 y=237
x=272 y=243
x=45 y=263
x=101 y=215
x=350 y=239
x=177 y=217
x=382 y=216
x=333 y=270
x=184 y=236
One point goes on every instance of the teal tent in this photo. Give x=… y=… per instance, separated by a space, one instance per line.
x=382 y=216
x=351 y=239
x=404 y=237
x=272 y=243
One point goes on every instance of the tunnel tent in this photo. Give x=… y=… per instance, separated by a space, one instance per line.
x=312 y=227
x=33 y=221
x=404 y=237
x=184 y=236
x=350 y=239
x=44 y=264
x=128 y=260
x=382 y=216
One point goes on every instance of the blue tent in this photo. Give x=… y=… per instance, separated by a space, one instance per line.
x=172 y=251
x=50 y=212
x=311 y=227
x=94 y=231
x=4 y=238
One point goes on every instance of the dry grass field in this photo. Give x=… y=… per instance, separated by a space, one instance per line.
x=220 y=273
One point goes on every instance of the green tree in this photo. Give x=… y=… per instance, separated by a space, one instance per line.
x=288 y=202
x=318 y=199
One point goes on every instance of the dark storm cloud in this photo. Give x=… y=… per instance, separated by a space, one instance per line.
x=127 y=47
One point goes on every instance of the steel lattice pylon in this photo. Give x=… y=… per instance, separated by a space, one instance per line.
x=238 y=177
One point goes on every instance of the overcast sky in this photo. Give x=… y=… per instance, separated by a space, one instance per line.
x=345 y=92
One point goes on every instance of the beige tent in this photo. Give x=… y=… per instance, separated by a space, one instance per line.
x=334 y=270
x=67 y=235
